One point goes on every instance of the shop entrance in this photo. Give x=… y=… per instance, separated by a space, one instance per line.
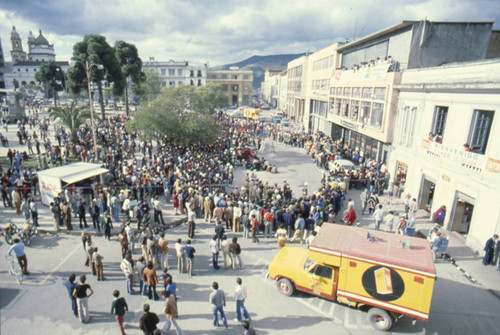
x=427 y=194
x=462 y=216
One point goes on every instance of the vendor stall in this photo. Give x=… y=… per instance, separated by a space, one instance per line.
x=53 y=181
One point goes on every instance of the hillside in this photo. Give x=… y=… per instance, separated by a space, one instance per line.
x=258 y=65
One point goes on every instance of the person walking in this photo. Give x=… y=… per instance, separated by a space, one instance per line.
x=162 y=251
x=378 y=215
x=181 y=256
x=215 y=252
x=151 y=279
x=55 y=210
x=70 y=285
x=97 y=260
x=190 y=251
x=281 y=235
x=18 y=248
x=107 y=225
x=148 y=321
x=235 y=250
x=226 y=253
x=128 y=270
x=218 y=301
x=171 y=313
x=240 y=295
x=255 y=226
x=82 y=299
x=119 y=307
x=489 y=249
x=81 y=214
x=299 y=229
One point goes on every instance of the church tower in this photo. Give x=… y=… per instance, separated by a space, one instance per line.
x=17 y=53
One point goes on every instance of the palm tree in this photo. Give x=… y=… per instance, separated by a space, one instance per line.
x=72 y=117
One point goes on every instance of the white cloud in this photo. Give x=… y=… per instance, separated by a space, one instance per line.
x=222 y=31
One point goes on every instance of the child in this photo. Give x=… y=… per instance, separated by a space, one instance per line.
x=165 y=277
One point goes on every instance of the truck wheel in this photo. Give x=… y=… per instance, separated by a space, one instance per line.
x=380 y=319
x=285 y=287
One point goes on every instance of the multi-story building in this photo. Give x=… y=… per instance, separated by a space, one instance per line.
x=236 y=83
x=441 y=110
x=177 y=73
x=2 y=70
x=297 y=89
x=269 y=86
x=322 y=65
x=363 y=101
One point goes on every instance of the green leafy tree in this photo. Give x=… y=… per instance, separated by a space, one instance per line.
x=208 y=98
x=72 y=116
x=178 y=115
x=51 y=76
x=149 y=86
x=95 y=50
x=131 y=65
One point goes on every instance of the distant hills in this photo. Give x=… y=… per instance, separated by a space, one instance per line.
x=258 y=65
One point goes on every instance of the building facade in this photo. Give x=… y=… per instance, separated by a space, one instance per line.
x=177 y=73
x=442 y=109
x=236 y=83
x=270 y=85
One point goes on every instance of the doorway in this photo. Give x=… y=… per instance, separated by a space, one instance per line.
x=462 y=216
x=427 y=194
x=234 y=101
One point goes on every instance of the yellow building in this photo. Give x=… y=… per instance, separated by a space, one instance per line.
x=236 y=83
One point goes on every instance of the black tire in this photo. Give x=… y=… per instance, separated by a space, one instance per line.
x=285 y=287
x=9 y=239
x=380 y=319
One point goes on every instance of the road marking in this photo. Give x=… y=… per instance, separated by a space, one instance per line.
x=60 y=264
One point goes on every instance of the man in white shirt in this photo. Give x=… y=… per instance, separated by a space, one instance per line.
x=379 y=217
x=158 y=215
x=240 y=295
x=181 y=256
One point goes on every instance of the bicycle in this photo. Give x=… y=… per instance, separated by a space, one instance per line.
x=15 y=268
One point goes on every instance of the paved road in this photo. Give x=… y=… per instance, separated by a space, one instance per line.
x=42 y=304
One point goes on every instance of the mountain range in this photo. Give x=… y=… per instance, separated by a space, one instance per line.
x=258 y=65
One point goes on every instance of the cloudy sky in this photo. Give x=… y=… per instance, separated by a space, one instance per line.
x=223 y=31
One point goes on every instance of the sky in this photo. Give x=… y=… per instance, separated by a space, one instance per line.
x=223 y=31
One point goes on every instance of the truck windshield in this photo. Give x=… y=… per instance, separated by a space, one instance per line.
x=308 y=264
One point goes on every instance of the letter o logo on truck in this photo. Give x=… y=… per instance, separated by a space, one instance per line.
x=383 y=283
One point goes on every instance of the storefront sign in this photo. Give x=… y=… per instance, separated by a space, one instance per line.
x=470 y=160
x=349 y=125
x=493 y=165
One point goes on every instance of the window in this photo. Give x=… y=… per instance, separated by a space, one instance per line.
x=171 y=83
x=439 y=120
x=322 y=271
x=405 y=126
x=367 y=92
x=339 y=90
x=345 y=107
x=246 y=100
x=191 y=82
x=224 y=88
x=191 y=73
x=356 y=92
x=337 y=105
x=199 y=73
x=235 y=76
x=379 y=93
x=246 y=77
x=214 y=76
x=354 y=110
x=480 y=130
x=347 y=92
x=199 y=82
x=377 y=115
x=235 y=88
x=171 y=72
x=179 y=72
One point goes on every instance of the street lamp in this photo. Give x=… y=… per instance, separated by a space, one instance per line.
x=88 y=67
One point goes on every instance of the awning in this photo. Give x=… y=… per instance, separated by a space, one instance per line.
x=83 y=175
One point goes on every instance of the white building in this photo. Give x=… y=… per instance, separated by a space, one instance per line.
x=461 y=103
x=175 y=73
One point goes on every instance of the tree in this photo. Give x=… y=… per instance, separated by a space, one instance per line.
x=131 y=65
x=149 y=87
x=51 y=76
x=95 y=50
x=27 y=93
x=208 y=98
x=178 y=115
x=72 y=117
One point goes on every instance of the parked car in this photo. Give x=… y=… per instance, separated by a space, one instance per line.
x=341 y=165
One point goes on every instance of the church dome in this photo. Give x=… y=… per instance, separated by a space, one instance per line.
x=41 y=39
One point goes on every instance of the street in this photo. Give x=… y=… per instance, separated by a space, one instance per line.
x=458 y=306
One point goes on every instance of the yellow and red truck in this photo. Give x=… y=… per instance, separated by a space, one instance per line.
x=392 y=275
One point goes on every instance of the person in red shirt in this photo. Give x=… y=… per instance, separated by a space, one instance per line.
x=350 y=216
x=255 y=226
